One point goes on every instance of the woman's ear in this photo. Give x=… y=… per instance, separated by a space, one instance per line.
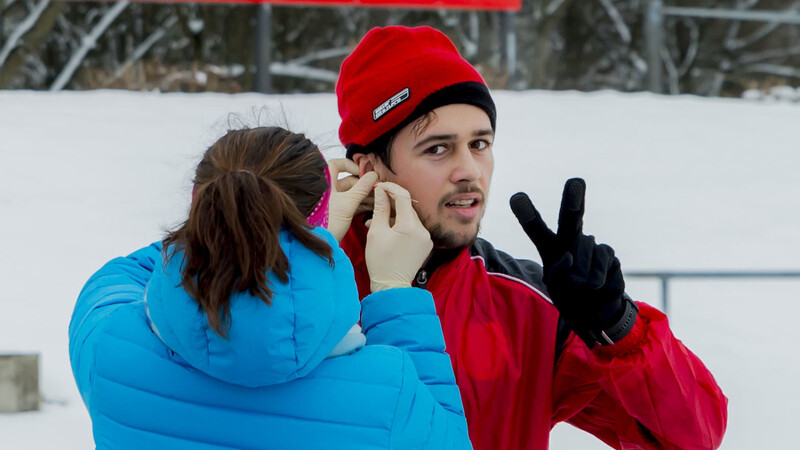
x=365 y=161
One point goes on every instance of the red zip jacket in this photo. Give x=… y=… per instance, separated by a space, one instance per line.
x=521 y=371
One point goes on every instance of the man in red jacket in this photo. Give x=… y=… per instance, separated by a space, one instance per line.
x=531 y=346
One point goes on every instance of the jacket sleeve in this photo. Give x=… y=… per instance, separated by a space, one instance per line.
x=118 y=282
x=429 y=411
x=646 y=391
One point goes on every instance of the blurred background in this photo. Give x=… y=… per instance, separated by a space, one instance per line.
x=723 y=48
x=681 y=115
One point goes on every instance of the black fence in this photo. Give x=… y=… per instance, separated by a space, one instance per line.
x=666 y=276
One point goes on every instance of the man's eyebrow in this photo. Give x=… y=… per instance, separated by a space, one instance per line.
x=436 y=137
x=452 y=137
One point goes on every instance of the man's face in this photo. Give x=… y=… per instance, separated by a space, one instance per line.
x=447 y=168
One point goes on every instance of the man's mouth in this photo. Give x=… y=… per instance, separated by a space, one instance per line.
x=468 y=203
x=466 y=207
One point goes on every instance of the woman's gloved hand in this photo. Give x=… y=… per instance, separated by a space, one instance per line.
x=347 y=195
x=395 y=252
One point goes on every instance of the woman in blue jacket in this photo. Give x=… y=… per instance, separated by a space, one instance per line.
x=242 y=332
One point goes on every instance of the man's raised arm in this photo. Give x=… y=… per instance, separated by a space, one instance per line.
x=627 y=380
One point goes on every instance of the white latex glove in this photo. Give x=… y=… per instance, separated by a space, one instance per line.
x=346 y=195
x=395 y=253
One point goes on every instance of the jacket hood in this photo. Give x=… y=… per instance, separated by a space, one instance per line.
x=265 y=344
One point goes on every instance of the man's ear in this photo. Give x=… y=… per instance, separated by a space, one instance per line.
x=365 y=161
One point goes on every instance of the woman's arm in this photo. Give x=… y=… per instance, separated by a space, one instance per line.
x=430 y=402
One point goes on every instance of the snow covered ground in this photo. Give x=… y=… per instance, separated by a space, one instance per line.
x=673 y=183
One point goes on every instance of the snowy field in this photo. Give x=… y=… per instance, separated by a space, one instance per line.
x=672 y=183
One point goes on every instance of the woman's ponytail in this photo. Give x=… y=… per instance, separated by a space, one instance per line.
x=241 y=202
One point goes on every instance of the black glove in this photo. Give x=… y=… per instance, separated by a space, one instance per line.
x=583 y=278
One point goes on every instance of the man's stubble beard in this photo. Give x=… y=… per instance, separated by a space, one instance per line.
x=444 y=238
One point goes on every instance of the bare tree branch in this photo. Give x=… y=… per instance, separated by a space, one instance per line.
x=469 y=41
x=22 y=28
x=142 y=48
x=672 y=71
x=772 y=53
x=7 y=4
x=553 y=7
x=447 y=17
x=537 y=11
x=716 y=84
x=88 y=43
x=762 y=32
x=774 y=69
x=746 y=4
x=474 y=26
x=320 y=55
x=691 y=50
x=613 y=13
x=733 y=31
x=639 y=64
x=348 y=18
x=297 y=71
x=37 y=68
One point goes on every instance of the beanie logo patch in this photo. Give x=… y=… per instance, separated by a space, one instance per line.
x=387 y=106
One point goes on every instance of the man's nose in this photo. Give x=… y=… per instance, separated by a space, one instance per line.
x=465 y=166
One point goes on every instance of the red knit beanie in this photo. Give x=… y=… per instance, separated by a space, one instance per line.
x=397 y=74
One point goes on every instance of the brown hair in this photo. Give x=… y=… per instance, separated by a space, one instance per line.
x=382 y=147
x=250 y=184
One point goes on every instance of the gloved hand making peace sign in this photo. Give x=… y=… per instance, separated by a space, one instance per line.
x=584 y=279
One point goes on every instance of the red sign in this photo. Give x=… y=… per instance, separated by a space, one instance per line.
x=488 y=5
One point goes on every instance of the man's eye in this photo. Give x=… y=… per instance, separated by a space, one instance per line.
x=436 y=149
x=480 y=144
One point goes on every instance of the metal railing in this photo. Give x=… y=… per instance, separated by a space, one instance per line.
x=789 y=17
x=654 y=14
x=666 y=276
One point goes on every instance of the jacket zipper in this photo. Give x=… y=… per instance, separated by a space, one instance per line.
x=422 y=279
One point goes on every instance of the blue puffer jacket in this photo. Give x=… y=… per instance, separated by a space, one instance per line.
x=154 y=376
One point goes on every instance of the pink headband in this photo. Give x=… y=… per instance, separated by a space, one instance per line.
x=319 y=216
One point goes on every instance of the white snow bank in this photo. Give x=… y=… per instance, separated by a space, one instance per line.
x=673 y=183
